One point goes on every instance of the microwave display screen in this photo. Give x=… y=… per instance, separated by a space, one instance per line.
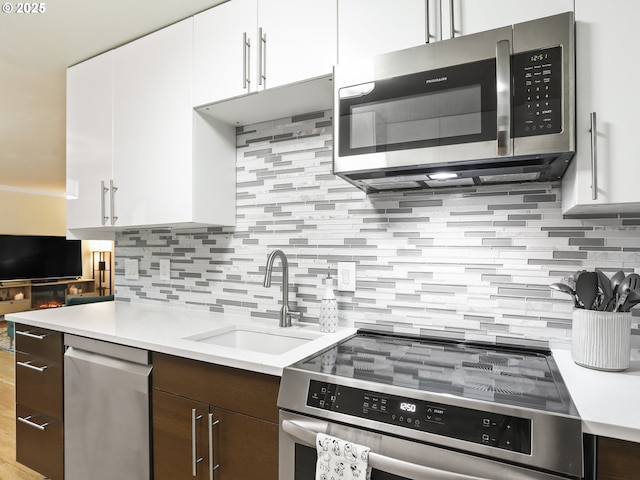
x=447 y=113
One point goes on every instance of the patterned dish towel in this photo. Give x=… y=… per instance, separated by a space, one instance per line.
x=341 y=460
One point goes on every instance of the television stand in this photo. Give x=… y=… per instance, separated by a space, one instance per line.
x=23 y=295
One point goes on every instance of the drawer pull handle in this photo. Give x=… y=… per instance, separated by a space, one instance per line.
x=195 y=460
x=28 y=421
x=32 y=367
x=30 y=335
x=212 y=467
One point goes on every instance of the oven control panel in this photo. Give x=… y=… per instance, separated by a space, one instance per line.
x=485 y=428
x=537 y=92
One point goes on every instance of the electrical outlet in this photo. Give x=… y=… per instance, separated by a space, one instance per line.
x=165 y=269
x=347 y=276
x=131 y=269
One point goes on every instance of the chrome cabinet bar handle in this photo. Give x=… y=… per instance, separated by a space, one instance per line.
x=30 y=335
x=380 y=462
x=212 y=467
x=426 y=21
x=451 y=22
x=27 y=420
x=440 y=5
x=103 y=192
x=262 y=58
x=32 y=367
x=246 y=55
x=503 y=89
x=194 y=444
x=594 y=156
x=113 y=189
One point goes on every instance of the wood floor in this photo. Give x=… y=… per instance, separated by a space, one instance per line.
x=9 y=469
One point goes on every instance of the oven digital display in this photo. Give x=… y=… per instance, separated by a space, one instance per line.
x=408 y=407
x=486 y=428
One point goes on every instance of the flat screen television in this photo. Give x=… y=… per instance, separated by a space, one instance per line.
x=39 y=257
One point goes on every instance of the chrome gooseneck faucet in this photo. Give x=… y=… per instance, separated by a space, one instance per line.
x=285 y=312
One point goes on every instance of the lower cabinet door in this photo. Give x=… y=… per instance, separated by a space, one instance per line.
x=618 y=459
x=39 y=443
x=177 y=453
x=244 y=447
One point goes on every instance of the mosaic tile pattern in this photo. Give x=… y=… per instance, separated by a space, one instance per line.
x=470 y=262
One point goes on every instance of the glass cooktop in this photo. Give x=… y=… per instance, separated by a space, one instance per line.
x=511 y=376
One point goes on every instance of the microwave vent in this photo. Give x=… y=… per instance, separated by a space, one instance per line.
x=510 y=177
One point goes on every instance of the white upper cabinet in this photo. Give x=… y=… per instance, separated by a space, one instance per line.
x=225 y=51
x=89 y=143
x=245 y=46
x=171 y=165
x=472 y=16
x=299 y=40
x=603 y=30
x=131 y=125
x=152 y=127
x=372 y=27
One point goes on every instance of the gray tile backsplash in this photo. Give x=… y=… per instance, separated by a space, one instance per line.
x=472 y=261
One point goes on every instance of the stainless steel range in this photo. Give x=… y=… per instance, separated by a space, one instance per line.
x=433 y=409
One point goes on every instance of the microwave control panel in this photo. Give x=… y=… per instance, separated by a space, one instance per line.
x=486 y=428
x=537 y=92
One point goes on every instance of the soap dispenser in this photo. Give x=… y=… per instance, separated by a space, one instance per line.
x=328 y=307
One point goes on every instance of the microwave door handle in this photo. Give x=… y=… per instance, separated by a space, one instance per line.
x=381 y=462
x=503 y=96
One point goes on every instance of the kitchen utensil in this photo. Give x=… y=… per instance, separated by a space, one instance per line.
x=632 y=299
x=587 y=289
x=564 y=288
x=604 y=288
x=616 y=279
x=630 y=282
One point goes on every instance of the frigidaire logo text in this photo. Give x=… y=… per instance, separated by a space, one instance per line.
x=436 y=80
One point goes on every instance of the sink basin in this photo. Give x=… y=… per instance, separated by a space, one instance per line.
x=255 y=339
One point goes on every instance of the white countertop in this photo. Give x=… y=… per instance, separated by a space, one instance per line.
x=164 y=328
x=606 y=401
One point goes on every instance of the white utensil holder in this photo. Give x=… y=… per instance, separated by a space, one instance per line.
x=601 y=340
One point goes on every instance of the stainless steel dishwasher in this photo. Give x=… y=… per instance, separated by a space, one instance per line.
x=106 y=411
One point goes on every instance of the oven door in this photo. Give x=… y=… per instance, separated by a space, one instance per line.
x=391 y=458
x=438 y=103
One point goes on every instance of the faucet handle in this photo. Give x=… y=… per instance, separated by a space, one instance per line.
x=294 y=314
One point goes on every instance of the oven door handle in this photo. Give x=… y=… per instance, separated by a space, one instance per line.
x=381 y=462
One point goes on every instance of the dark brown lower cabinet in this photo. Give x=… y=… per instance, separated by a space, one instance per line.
x=230 y=413
x=618 y=459
x=39 y=397
x=173 y=437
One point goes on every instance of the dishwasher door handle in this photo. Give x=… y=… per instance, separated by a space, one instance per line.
x=381 y=462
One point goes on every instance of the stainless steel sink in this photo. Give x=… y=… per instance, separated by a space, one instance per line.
x=256 y=339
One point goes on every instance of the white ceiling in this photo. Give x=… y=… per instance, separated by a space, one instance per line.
x=35 y=50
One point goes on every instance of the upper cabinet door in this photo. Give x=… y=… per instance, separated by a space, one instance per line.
x=372 y=27
x=299 y=40
x=225 y=51
x=89 y=141
x=472 y=16
x=153 y=136
x=602 y=28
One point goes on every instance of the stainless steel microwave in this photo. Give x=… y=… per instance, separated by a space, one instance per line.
x=487 y=108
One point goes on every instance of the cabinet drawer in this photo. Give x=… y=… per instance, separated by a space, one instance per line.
x=39 y=384
x=39 y=442
x=40 y=342
x=617 y=459
x=251 y=393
